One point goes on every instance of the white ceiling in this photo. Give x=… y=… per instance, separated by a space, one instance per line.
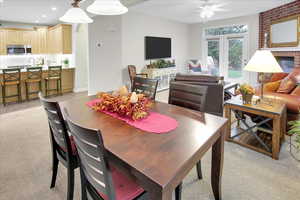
x=187 y=11
x=28 y=11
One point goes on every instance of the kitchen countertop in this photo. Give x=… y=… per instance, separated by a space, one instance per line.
x=45 y=68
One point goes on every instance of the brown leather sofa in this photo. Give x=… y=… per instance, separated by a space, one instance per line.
x=215 y=91
x=292 y=101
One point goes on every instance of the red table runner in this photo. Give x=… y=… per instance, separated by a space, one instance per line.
x=154 y=122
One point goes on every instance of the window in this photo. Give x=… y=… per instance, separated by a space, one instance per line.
x=226 y=30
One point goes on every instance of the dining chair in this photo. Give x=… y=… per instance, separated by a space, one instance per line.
x=145 y=86
x=62 y=145
x=192 y=97
x=54 y=74
x=11 y=77
x=99 y=179
x=34 y=76
x=132 y=73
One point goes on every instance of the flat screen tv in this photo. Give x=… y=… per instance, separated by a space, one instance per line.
x=157 y=47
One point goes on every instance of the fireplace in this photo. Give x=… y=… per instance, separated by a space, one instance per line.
x=287 y=59
x=287 y=63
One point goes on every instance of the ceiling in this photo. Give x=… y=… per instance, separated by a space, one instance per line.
x=40 y=11
x=187 y=11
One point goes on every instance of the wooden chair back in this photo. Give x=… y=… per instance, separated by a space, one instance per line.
x=188 y=96
x=11 y=75
x=131 y=72
x=145 y=86
x=59 y=133
x=54 y=72
x=34 y=73
x=93 y=162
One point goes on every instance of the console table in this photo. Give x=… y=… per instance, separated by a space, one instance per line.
x=163 y=75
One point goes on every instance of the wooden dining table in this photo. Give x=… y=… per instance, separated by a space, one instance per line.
x=158 y=162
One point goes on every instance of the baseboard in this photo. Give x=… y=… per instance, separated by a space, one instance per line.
x=80 y=90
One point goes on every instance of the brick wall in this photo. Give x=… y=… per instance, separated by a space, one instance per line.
x=265 y=19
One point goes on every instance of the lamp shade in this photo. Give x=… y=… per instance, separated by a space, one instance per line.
x=263 y=61
x=76 y=15
x=107 y=7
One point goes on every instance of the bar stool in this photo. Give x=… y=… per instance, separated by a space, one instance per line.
x=34 y=76
x=11 y=77
x=54 y=74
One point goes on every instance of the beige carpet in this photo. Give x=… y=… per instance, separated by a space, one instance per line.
x=25 y=169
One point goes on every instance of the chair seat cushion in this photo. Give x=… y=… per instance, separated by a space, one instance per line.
x=73 y=146
x=125 y=188
x=32 y=80
x=10 y=83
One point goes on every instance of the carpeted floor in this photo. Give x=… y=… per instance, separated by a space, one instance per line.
x=25 y=169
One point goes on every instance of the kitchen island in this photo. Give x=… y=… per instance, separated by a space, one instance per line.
x=68 y=77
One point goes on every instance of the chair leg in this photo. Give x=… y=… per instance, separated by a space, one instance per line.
x=178 y=191
x=83 y=186
x=3 y=95
x=27 y=94
x=19 y=93
x=199 y=170
x=40 y=86
x=70 y=192
x=54 y=171
x=60 y=86
x=46 y=87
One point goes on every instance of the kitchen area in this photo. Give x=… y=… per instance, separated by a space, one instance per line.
x=40 y=47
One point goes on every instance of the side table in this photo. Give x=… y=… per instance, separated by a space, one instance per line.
x=275 y=112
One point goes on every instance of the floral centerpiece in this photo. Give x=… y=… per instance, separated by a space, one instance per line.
x=125 y=104
x=247 y=93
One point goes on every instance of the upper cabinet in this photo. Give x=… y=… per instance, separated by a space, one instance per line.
x=60 y=39
x=43 y=40
x=3 y=42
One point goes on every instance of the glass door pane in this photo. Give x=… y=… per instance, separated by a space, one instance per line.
x=213 y=56
x=236 y=59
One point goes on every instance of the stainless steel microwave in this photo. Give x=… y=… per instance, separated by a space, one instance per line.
x=18 y=49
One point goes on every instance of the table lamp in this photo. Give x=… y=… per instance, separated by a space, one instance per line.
x=262 y=62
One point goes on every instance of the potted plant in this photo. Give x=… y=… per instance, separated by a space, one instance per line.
x=66 y=63
x=294 y=132
x=247 y=93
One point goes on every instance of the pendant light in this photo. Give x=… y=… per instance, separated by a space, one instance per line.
x=76 y=15
x=107 y=7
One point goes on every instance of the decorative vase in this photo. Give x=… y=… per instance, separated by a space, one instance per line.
x=247 y=98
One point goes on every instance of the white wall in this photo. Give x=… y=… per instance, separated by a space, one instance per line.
x=105 y=54
x=81 y=52
x=196 y=31
x=122 y=44
x=136 y=26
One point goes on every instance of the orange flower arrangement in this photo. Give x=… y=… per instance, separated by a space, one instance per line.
x=246 y=89
x=131 y=105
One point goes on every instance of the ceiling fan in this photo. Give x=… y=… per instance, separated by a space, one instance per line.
x=208 y=8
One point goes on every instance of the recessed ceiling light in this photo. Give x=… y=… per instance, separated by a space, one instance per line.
x=44 y=16
x=54 y=8
x=37 y=21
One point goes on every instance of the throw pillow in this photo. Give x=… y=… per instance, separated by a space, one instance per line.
x=296 y=91
x=272 y=86
x=287 y=85
x=295 y=74
x=278 y=76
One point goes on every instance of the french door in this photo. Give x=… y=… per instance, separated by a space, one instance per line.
x=226 y=55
